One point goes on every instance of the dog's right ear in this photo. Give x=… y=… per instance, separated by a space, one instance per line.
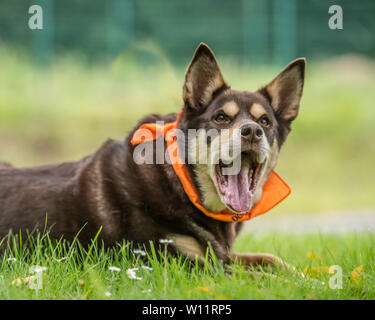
x=285 y=90
x=203 y=77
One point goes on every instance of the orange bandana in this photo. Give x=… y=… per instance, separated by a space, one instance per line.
x=275 y=189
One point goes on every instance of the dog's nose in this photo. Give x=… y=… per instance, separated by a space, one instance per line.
x=252 y=132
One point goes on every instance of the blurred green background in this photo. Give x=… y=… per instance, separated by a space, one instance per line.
x=98 y=66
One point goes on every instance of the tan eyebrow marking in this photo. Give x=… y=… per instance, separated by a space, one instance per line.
x=257 y=110
x=231 y=109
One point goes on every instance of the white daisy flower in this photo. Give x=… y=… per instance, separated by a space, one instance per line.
x=147 y=268
x=38 y=269
x=107 y=293
x=12 y=259
x=146 y=291
x=166 y=241
x=114 y=269
x=140 y=252
x=132 y=275
x=61 y=259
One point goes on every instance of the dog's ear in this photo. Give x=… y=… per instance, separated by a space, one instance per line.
x=202 y=79
x=285 y=91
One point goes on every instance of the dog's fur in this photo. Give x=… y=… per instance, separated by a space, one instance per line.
x=147 y=202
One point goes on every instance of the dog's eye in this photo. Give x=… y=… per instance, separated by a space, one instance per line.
x=264 y=121
x=222 y=118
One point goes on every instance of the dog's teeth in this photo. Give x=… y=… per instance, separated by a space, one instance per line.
x=250 y=173
x=261 y=157
x=250 y=177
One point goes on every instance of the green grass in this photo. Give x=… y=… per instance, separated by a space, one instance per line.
x=85 y=274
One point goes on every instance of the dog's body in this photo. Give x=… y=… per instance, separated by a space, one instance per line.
x=146 y=202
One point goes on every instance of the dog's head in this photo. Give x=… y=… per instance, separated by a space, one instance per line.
x=258 y=121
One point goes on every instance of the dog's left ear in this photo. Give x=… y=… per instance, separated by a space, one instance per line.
x=203 y=77
x=285 y=90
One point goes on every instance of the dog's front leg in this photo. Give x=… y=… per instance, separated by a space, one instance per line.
x=261 y=260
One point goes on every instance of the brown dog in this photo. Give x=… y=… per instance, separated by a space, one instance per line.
x=143 y=202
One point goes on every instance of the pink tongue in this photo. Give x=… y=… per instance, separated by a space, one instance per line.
x=237 y=193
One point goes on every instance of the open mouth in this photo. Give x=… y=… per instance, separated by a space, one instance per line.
x=238 y=190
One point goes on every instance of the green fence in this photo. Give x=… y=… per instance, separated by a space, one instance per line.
x=252 y=31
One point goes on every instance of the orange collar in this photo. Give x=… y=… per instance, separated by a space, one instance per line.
x=275 y=189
